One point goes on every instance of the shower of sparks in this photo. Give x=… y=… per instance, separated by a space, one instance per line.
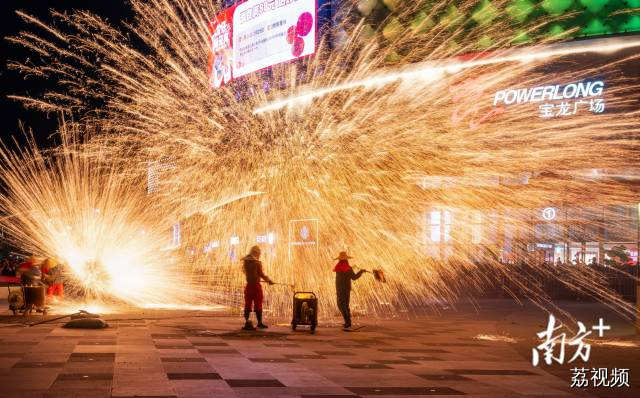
x=437 y=69
x=185 y=307
x=72 y=307
x=108 y=233
x=366 y=151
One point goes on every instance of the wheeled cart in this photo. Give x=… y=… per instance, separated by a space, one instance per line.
x=305 y=310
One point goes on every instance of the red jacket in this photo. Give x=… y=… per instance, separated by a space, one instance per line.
x=342 y=266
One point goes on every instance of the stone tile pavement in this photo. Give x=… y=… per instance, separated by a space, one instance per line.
x=208 y=356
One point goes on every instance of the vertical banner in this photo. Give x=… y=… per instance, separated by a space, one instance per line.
x=220 y=65
x=176 y=235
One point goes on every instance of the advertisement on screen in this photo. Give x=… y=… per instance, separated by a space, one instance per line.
x=257 y=34
x=269 y=32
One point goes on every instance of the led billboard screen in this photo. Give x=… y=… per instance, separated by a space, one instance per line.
x=257 y=34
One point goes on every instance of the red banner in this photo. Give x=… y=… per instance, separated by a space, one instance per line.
x=220 y=65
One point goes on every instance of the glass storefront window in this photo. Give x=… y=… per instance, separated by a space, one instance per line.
x=620 y=223
x=437 y=231
x=631 y=250
x=586 y=253
x=558 y=253
x=434 y=226
x=548 y=232
x=435 y=218
x=476 y=227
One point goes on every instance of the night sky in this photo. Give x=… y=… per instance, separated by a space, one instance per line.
x=11 y=82
x=115 y=11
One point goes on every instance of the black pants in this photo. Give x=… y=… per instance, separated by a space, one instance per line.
x=343 y=296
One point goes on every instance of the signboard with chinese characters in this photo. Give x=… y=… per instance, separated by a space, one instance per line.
x=555 y=101
x=269 y=32
x=175 y=235
x=220 y=65
x=257 y=34
x=214 y=244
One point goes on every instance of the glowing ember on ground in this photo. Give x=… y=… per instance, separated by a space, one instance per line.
x=66 y=307
x=186 y=307
x=494 y=337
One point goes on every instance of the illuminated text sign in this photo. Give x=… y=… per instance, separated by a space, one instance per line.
x=558 y=100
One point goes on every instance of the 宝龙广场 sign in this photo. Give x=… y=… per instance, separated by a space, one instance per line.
x=557 y=100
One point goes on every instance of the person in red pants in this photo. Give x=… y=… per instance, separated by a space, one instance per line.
x=53 y=277
x=253 y=290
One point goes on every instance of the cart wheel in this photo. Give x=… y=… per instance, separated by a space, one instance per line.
x=294 y=326
x=313 y=328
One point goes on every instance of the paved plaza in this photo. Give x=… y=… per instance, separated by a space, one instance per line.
x=195 y=354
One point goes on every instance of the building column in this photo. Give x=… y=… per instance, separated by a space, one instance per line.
x=601 y=233
x=565 y=236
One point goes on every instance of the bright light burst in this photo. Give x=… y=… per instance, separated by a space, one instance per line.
x=343 y=137
x=88 y=216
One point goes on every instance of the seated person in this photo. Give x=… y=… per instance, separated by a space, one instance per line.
x=30 y=273
x=8 y=268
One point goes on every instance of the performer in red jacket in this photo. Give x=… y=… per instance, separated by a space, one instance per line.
x=344 y=276
x=253 y=290
x=52 y=275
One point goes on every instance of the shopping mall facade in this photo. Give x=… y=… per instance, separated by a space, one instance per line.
x=557 y=231
x=565 y=229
